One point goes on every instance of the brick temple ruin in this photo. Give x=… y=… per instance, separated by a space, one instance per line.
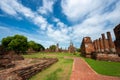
x=71 y=48
x=87 y=47
x=102 y=48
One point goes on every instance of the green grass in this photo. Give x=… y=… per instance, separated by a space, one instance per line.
x=53 y=75
x=62 y=69
x=104 y=67
x=50 y=55
x=58 y=71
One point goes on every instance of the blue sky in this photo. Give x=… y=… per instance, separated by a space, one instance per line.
x=58 y=21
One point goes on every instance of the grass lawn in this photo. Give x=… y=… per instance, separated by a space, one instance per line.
x=58 y=71
x=104 y=67
x=62 y=69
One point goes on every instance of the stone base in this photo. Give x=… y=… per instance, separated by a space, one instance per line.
x=88 y=56
x=108 y=57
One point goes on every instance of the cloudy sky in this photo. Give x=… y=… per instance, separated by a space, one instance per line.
x=58 y=21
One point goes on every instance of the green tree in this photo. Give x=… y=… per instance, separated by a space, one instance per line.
x=52 y=47
x=78 y=49
x=5 y=42
x=35 y=46
x=17 y=43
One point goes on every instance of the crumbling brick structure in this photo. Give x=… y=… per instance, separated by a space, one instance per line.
x=117 y=40
x=87 y=47
x=71 y=48
x=102 y=48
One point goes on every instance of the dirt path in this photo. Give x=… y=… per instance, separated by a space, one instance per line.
x=82 y=71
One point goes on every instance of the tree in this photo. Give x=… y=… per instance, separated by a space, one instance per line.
x=78 y=49
x=52 y=47
x=35 y=46
x=5 y=42
x=17 y=43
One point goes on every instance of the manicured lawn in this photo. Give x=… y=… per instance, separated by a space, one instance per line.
x=104 y=67
x=58 y=71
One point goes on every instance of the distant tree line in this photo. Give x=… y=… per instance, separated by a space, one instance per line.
x=20 y=44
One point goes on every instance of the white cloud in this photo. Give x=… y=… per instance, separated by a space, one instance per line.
x=75 y=10
x=7 y=8
x=26 y=12
x=47 y=7
x=57 y=35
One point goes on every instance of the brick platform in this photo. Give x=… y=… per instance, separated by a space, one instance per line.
x=25 y=69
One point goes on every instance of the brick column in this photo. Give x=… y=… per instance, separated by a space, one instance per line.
x=98 y=45
x=111 y=44
x=95 y=45
x=101 y=45
x=105 y=43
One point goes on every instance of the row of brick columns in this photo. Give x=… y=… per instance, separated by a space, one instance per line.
x=103 y=44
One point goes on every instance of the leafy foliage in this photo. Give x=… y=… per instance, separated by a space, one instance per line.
x=17 y=43
x=52 y=47
x=35 y=46
x=78 y=50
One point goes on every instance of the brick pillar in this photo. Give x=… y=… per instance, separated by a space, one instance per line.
x=105 y=43
x=98 y=45
x=95 y=45
x=101 y=45
x=107 y=46
x=111 y=44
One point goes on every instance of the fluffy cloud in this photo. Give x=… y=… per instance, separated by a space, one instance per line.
x=47 y=7
x=75 y=10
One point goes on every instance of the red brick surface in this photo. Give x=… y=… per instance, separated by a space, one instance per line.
x=82 y=71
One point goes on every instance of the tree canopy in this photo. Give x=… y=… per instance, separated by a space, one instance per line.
x=52 y=47
x=19 y=44
x=35 y=46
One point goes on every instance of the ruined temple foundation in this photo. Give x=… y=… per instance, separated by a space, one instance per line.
x=24 y=69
